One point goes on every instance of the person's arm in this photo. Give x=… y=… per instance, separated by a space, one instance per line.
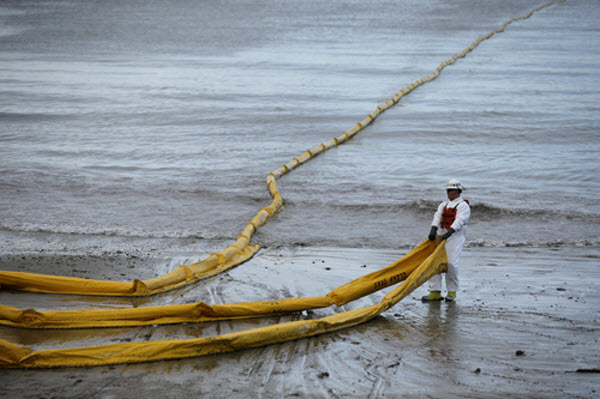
x=435 y=223
x=463 y=213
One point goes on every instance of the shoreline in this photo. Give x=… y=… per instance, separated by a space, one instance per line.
x=526 y=322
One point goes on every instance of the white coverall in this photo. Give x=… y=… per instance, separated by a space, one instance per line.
x=454 y=244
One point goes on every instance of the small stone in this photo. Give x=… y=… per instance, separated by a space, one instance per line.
x=520 y=353
x=324 y=374
x=477 y=370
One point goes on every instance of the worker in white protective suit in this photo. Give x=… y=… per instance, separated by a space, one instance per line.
x=451 y=217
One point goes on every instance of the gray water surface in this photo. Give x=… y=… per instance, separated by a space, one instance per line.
x=163 y=119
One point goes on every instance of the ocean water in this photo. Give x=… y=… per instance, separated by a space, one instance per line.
x=161 y=121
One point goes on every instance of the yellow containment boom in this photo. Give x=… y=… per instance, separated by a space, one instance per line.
x=16 y=356
x=413 y=269
x=201 y=312
x=183 y=275
x=241 y=250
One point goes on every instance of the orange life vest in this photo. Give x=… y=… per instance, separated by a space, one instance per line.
x=448 y=216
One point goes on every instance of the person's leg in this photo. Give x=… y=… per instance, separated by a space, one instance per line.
x=435 y=289
x=451 y=282
x=452 y=278
x=435 y=283
x=453 y=251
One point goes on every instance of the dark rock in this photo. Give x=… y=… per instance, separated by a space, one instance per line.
x=324 y=374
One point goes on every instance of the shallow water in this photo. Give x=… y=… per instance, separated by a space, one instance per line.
x=162 y=120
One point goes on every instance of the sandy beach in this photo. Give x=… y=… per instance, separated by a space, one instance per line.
x=526 y=324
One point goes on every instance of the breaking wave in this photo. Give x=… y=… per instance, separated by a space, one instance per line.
x=479 y=210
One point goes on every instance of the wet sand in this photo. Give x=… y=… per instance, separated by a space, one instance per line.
x=526 y=324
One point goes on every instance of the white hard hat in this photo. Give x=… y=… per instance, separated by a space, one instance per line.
x=454 y=184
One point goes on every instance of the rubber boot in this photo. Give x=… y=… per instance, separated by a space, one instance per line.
x=432 y=297
x=451 y=297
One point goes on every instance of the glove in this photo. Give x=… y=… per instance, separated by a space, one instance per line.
x=432 y=233
x=448 y=234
